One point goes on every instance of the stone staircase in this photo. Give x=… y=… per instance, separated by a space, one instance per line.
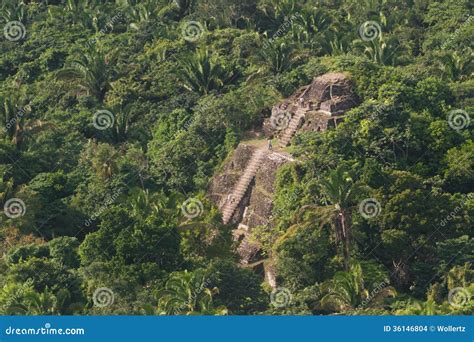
x=292 y=128
x=242 y=185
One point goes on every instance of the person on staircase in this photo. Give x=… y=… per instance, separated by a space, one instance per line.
x=301 y=102
x=270 y=146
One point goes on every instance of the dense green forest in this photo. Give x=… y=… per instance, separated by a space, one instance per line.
x=115 y=115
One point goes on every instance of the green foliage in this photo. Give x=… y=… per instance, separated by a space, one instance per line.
x=187 y=293
x=279 y=56
x=203 y=73
x=339 y=192
x=345 y=290
x=239 y=289
x=460 y=165
x=144 y=234
x=23 y=300
x=104 y=207
x=303 y=256
x=64 y=250
x=91 y=72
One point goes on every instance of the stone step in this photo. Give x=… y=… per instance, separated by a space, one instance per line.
x=291 y=129
x=242 y=185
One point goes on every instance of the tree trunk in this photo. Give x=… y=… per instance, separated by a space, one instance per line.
x=17 y=135
x=345 y=226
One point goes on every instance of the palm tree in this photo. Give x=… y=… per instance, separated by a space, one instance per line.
x=142 y=11
x=310 y=27
x=188 y=293
x=16 y=125
x=78 y=12
x=13 y=11
x=24 y=300
x=381 y=51
x=345 y=290
x=203 y=73
x=278 y=55
x=184 y=7
x=91 y=72
x=337 y=40
x=338 y=44
x=143 y=203
x=277 y=10
x=103 y=158
x=456 y=65
x=121 y=124
x=84 y=13
x=340 y=193
x=9 y=111
x=12 y=297
x=45 y=303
